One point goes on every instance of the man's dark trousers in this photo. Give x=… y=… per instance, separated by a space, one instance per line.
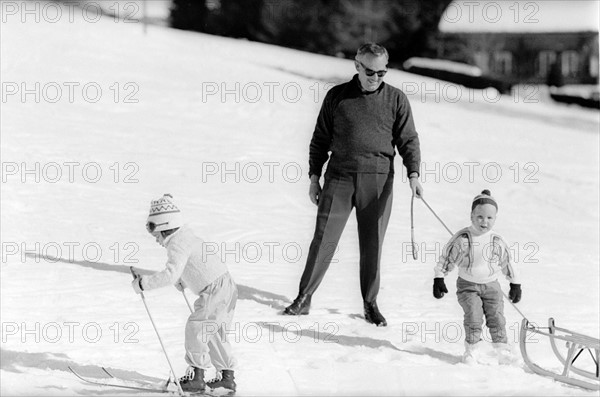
x=371 y=195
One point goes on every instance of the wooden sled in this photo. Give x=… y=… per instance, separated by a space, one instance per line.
x=575 y=343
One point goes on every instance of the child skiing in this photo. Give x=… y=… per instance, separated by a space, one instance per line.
x=480 y=255
x=207 y=276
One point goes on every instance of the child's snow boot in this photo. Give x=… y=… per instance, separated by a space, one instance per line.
x=505 y=354
x=471 y=354
x=227 y=381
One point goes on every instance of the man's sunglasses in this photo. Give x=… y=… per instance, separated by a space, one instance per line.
x=151 y=226
x=371 y=72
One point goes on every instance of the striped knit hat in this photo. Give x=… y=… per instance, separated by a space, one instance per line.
x=164 y=215
x=484 y=198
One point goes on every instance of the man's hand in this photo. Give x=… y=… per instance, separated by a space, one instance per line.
x=314 y=191
x=415 y=185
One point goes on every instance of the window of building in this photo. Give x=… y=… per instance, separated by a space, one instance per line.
x=503 y=63
x=594 y=66
x=570 y=63
x=544 y=62
x=482 y=61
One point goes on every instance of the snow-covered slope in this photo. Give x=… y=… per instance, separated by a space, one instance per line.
x=99 y=118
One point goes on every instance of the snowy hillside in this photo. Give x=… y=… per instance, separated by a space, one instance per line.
x=98 y=118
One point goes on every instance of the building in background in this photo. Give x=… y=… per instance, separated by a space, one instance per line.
x=543 y=42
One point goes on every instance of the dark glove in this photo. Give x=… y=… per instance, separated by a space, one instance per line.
x=439 y=287
x=515 y=293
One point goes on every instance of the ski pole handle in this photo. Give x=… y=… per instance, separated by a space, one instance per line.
x=135 y=275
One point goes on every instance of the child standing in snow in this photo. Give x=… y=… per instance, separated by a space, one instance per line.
x=188 y=266
x=480 y=255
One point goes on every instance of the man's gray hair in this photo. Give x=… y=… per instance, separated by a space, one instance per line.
x=373 y=49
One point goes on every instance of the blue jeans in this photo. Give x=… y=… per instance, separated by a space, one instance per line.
x=477 y=301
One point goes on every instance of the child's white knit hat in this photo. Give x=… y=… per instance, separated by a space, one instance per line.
x=164 y=215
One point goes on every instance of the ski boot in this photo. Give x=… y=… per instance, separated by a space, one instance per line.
x=227 y=381
x=193 y=380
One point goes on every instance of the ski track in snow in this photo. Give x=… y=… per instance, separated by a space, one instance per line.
x=73 y=308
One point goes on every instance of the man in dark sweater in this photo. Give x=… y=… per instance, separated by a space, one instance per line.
x=362 y=123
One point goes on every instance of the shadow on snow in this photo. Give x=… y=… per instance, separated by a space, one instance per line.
x=245 y=292
x=262 y=297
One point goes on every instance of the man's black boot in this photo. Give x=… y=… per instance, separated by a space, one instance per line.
x=372 y=314
x=301 y=305
x=227 y=381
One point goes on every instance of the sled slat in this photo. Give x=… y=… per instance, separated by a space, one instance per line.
x=576 y=343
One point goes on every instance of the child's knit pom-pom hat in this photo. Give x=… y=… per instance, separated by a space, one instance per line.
x=484 y=198
x=164 y=215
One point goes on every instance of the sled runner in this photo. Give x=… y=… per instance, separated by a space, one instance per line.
x=575 y=343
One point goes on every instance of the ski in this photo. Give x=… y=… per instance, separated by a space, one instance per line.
x=142 y=382
x=207 y=392
x=143 y=386
x=108 y=384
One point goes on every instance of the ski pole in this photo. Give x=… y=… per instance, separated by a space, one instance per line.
x=187 y=301
x=185 y=297
x=412 y=228
x=452 y=234
x=181 y=393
